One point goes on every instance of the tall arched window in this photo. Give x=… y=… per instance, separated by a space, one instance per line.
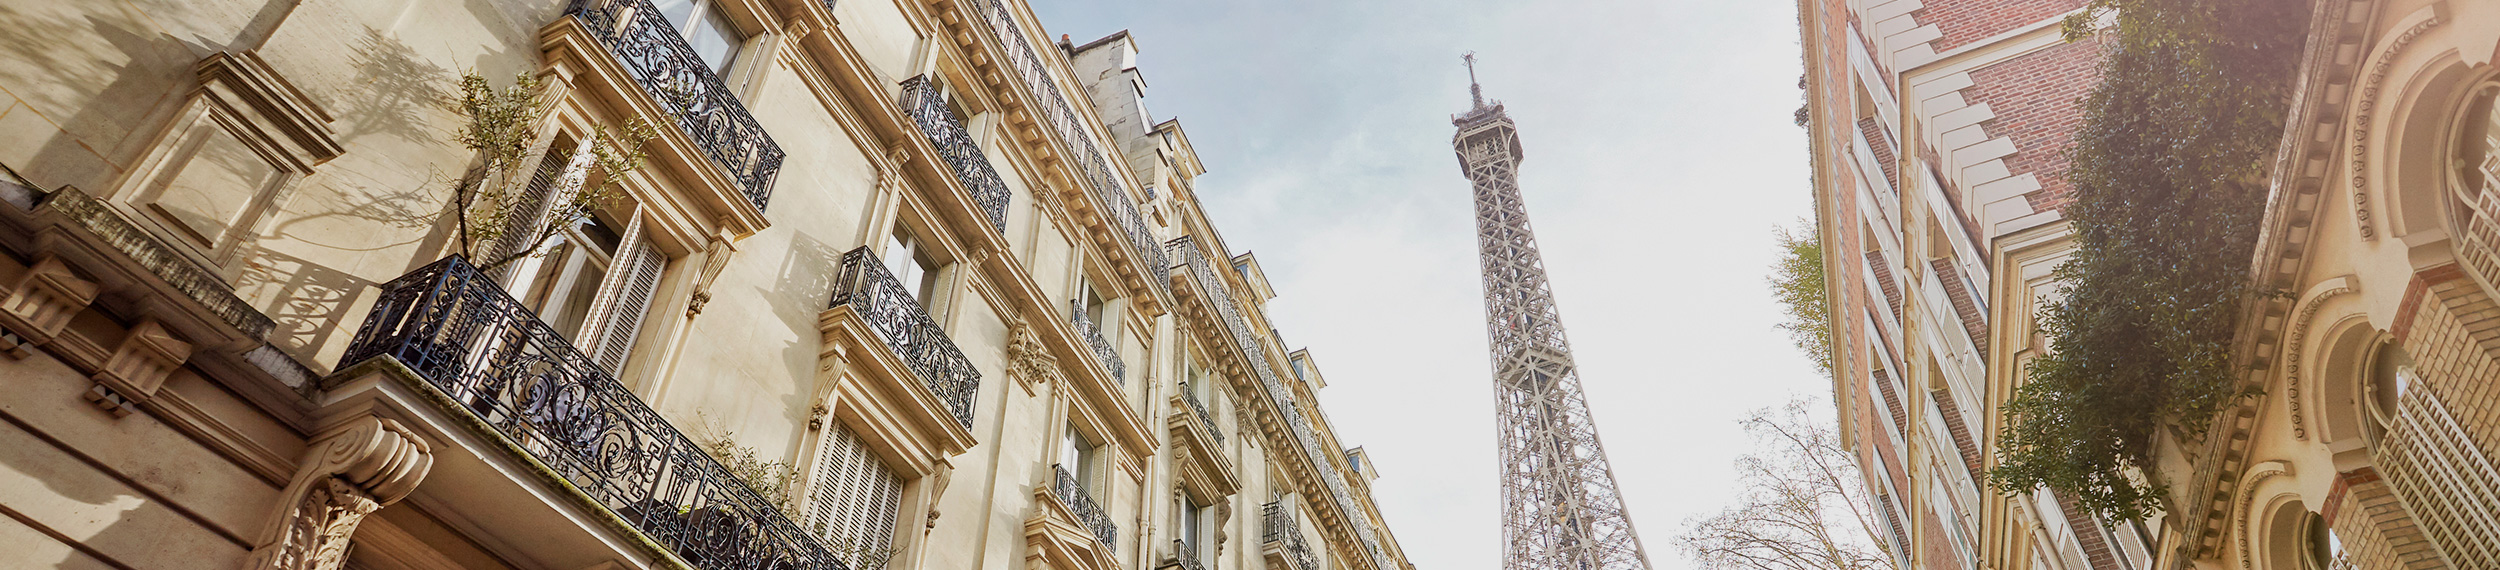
x=2474 y=183
x=2389 y=375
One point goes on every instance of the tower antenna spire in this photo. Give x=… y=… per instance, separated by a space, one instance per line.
x=1474 y=90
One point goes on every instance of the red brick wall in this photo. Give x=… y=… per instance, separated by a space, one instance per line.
x=2037 y=101
x=1966 y=21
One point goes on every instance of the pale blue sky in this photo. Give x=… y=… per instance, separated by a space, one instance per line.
x=1660 y=155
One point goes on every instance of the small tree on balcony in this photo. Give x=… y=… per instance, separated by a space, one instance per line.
x=1797 y=282
x=2169 y=185
x=503 y=127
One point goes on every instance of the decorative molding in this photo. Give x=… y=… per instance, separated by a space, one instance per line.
x=715 y=258
x=243 y=83
x=2297 y=342
x=137 y=368
x=2248 y=489
x=41 y=302
x=1029 y=361
x=2362 y=114
x=362 y=465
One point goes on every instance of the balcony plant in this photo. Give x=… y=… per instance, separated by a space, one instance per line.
x=503 y=126
x=2168 y=180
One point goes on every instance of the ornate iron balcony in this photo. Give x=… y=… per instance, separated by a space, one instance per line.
x=1103 y=349
x=469 y=339
x=1204 y=418
x=1185 y=555
x=1283 y=534
x=898 y=317
x=955 y=145
x=1072 y=494
x=1028 y=68
x=657 y=56
x=1246 y=343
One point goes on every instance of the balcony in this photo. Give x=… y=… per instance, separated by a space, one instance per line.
x=1072 y=494
x=1200 y=409
x=656 y=55
x=897 y=318
x=1025 y=63
x=494 y=364
x=1103 y=349
x=1185 y=556
x=955 y=146
x=1283 y=541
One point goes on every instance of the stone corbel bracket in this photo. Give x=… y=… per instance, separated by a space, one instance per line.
x=361 y=465
x=40 y=303
x=137 y=368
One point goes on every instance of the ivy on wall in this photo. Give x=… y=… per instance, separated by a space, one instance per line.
x=2169 y=185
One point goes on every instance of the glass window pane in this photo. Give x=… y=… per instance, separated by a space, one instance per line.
x=716 y=40
x=678 y=12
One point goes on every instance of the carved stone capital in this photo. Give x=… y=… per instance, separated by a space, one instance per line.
x=360 y=466
x=41 y=302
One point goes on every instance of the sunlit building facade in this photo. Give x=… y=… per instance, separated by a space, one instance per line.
x=2372 y=439
x=899 y=285
x=1938 y=129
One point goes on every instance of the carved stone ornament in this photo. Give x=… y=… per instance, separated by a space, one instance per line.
x=715 y=257
x=40 y=303
x=937 y=488
x=1223 y=513
x=137 y=368
x=362 y=466
x=1028 y=360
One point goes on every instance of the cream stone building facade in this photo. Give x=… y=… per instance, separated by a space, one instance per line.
x=952 y=274
x=2372 y=443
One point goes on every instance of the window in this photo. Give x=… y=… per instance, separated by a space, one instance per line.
x=711 y=34
x=1090 y=298
x=855 y=500
x=1193 y=528
x=2474 y=185
x=2321 y=550
x=905 y=258
x=1077 y=456
x=2390 y=374
x=591 y=281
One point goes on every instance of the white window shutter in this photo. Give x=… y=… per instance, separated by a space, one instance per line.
x=855 y=500
x=528 y=212
x=640 y=275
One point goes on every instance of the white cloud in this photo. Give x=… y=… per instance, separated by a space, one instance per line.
x=1659 y=157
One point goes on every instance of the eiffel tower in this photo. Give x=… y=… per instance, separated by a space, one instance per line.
x=1560 y=508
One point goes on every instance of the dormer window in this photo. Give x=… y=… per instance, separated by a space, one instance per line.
x=709 y=31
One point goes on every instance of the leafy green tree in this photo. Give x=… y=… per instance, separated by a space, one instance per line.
x=503 y=126
x=1797 y=282
x=2169 y=183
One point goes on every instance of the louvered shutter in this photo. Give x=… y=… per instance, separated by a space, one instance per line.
x=529 y=208
x=855 y=500
x=640 y=276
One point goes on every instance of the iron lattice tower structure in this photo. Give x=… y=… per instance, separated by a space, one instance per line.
x=1560 y=507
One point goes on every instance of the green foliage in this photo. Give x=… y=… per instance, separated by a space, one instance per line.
x=2169 y=183
x=504 y=125
x=1797 y=282
x=776 y=481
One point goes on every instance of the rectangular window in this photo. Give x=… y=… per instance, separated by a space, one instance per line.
x=1193 y=528
x=855 y=500
x=905 y=258
x=1077 y=455
x=711 y=34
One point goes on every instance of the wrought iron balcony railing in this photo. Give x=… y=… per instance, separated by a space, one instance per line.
x=1246 y=343
x=1285 y=535
x=899 y=319
x=1072 y=494
x=955 y=145
x=1204 y=418
x=1103 y=348
x=657 y=56
x=1026 y=63
x=470 y=340
x=1185 y=555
